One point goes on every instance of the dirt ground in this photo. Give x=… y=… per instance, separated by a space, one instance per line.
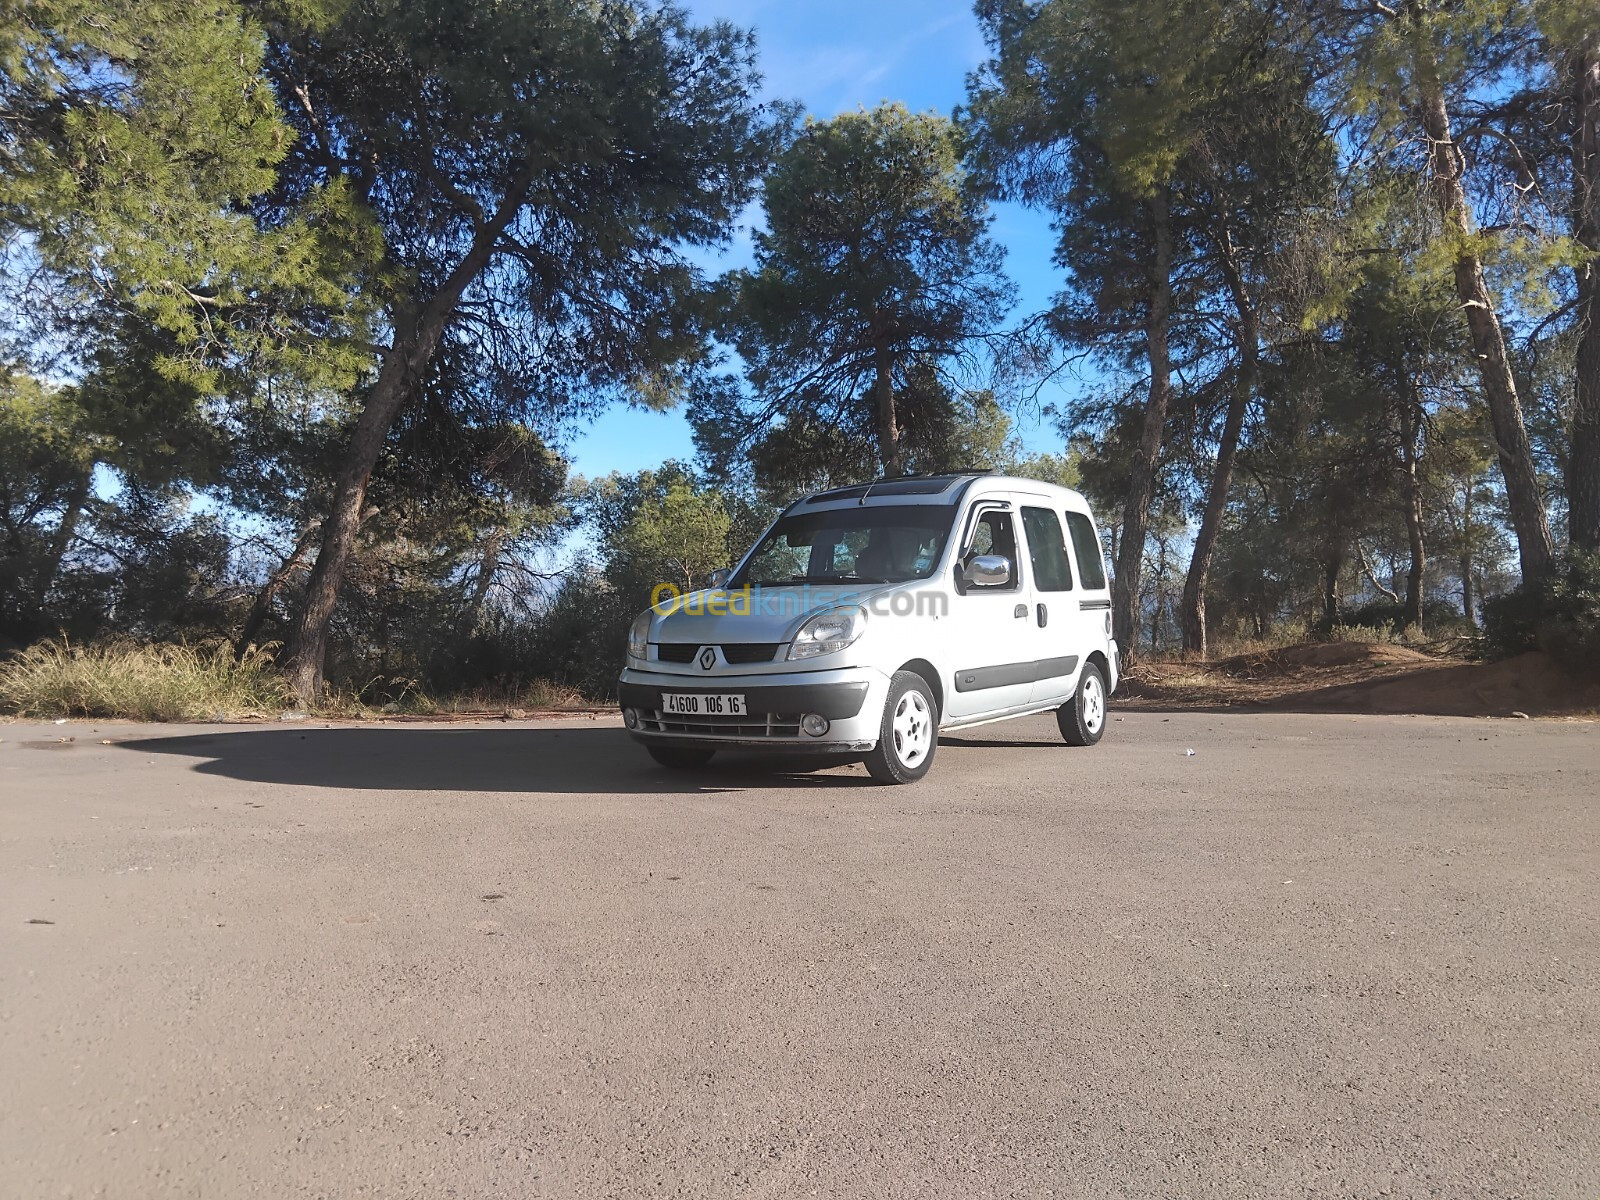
x=1354 y=677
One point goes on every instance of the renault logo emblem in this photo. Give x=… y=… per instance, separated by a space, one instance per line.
x=708 y=659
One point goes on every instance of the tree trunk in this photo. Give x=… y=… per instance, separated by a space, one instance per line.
x=1193 y=616
x=308 y=639
x=61 y=539
x=1372 y=576
x=1332 y=613
x=1411 y=456
x=1583 y=461
x=416 y=336
x=1469 y=608
x=888 y=420
x=1159 y=595
x=1195 y=638
x=1523 y=498
x=1419 y=553
x=262 y=606
x=1142 y=479
x=488 y=564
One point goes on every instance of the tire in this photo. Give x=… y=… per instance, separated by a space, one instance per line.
x=681 y=758
x=909 y=732
x=1083 y=718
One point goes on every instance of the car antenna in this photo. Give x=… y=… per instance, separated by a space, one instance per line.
x=867 y=491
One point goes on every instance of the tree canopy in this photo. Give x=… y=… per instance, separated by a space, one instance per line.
x=305 y=299
x=873 y=290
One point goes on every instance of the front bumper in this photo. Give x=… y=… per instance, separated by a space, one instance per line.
x=851 y=698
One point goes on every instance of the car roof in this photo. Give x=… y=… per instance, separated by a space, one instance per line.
x=932 y=489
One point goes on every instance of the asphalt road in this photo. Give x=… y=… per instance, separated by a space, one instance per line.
x=1322 y=956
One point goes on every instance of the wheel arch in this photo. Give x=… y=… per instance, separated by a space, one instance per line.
x=1098 y=658
x=930 y=676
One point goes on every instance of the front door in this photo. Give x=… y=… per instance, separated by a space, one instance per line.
x=990 y=627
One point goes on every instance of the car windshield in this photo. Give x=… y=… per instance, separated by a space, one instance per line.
x=859 y=544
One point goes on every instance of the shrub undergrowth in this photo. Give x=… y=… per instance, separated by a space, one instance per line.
x=1559 y=614
x=141 y=682
x=162 y=682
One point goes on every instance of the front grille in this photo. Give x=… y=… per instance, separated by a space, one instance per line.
x=733 y=652
x=755 y=725
x=750 y=652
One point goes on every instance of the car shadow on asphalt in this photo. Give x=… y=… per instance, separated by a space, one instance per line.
x=514 y=759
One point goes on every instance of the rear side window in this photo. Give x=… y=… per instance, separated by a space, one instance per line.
x=1091 y=567
x=1046 y=550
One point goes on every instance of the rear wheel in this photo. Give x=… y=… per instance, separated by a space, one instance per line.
x=909 y=733
x=680 y=757
x=1083 y=718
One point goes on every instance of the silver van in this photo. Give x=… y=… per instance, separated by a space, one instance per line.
x=869 y=618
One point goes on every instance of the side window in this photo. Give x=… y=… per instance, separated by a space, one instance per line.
x=1091 y=566
x=994 y=533
x=1046 y=550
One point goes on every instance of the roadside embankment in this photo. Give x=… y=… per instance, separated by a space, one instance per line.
x=1355 y=677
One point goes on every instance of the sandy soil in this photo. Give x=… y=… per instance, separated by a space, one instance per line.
x=1353 y=677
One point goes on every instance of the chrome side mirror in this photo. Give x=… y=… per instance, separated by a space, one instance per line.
x=720 y=577
x=988 y=570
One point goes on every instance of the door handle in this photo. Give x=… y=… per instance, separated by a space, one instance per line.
x=1020 y=610
x=1044 y=616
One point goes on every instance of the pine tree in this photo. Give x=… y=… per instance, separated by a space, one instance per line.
x=536 y=168
x=874 y=288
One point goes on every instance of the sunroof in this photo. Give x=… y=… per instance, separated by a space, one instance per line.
x=911 y=485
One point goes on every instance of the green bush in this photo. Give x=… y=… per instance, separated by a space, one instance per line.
x=1361 y=634
x=1559 y=615
x=1439 y=618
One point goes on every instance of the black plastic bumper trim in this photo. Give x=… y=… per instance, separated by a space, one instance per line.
x=774 y=745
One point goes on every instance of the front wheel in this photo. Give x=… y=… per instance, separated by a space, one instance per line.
x=909 y=733
x=1083 y=718
x=680 y=757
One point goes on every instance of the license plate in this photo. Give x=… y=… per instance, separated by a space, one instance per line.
x=701 y=704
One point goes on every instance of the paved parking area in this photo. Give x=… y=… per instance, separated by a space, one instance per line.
x=1322 y=956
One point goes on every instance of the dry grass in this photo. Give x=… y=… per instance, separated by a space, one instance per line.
x=129 y=681
x=539 y=696
x=1367 y=635
x=1226 y=645
x=141 y=683
x=1282 y=637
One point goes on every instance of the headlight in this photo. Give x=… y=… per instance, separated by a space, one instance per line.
x=829 y=632
x=639 y=636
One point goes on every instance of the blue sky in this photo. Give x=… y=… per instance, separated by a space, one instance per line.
x=834 y=55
